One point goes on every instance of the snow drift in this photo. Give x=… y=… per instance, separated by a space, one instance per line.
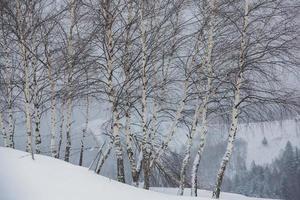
x=46 y=178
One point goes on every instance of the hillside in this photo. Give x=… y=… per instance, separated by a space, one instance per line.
x=46 y=178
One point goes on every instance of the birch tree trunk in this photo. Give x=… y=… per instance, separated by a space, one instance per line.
x=145 y=143
x=25 y=62
x=3 y=131
x=29 y=147
x=37 y=112
x=118 y=146
x=204 y=107
x=198 y=157
x=115 y=114
x=199 y=110
x=61 y=127
x=103 y=158
x=10 y=132
x=37 y=119
x=128 y=132
x=53 y=147
x=187 y=156
x=235 y=108
x=68 y=129
x=85 y=129
x=69 y=105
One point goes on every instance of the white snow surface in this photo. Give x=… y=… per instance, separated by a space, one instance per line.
x=46 y=178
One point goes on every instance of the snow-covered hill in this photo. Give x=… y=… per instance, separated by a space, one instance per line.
x=45 y=178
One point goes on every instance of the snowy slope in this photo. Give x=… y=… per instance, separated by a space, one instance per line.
x=46 y=178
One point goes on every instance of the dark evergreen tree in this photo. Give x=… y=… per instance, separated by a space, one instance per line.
x=265 y=141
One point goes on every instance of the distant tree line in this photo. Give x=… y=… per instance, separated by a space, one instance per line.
x=279 y=180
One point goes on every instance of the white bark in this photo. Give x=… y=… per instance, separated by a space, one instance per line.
x=10 y=132
x=204 y=106
x=128 y=131
x=68 y=129
x=29 y=144
x=198 y=157
x=37 y=112
x=154 y=125
x=37 y=119
x=70 y=55
x=103 y=158
x=25 y=62
x=3 y=131
x=187 y=156
x=85 y=129
x=53 y=147
x=235 y=107
x=145 y=143
x=111 y=92
x=61 y=127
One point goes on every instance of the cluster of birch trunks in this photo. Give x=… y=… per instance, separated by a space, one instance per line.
x=184 y=63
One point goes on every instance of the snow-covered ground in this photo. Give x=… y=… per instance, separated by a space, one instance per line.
x=45 y=178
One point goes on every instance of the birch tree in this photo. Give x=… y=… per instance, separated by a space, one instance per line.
x=260 y=58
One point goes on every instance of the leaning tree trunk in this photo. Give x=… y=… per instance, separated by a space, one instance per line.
x=198 y=110
x=198 y=157
x=204 y=107
x=235 y=108
x=187 y=155
x=103 y=158
x=229 y=149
